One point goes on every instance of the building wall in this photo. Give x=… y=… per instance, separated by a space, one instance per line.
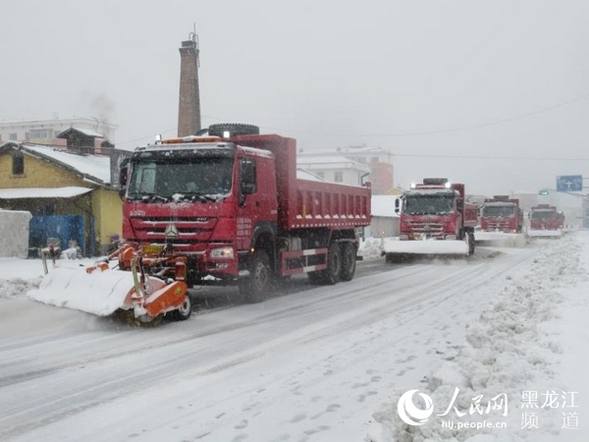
x=381 y=177
x=349 y=176
x=45 y=131
x=37 y=173
x=102 y=205
x=382 y=226
x=108 y=210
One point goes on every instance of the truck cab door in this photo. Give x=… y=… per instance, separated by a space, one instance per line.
x=256 y=199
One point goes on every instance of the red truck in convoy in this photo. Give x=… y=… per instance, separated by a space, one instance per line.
x=501 y=214
x=435 y=219
x=546 y=221
x=229 y=208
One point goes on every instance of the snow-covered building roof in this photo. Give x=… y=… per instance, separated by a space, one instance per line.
x=303 y=174
x=93 y=168
x=87 y=132
x=43 y=192
x=329 y=162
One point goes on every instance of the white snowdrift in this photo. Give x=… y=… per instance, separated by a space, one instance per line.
x=514 y=347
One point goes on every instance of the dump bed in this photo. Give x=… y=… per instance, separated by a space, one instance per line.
x=306 y=203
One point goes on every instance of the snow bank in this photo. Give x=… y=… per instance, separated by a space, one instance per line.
x=511 y=352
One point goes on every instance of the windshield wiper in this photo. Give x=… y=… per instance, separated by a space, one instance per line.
x=192 y=196
x=153 y=197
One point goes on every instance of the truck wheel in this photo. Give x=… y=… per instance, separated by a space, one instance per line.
x=348 y=253
x=185 y=310
x=216 y=130
x=315 y=278
x=332 y=273
x=254 y=288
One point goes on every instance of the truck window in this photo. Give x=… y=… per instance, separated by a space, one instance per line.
x=189 y=175
x=247 y=176
x=429 y=204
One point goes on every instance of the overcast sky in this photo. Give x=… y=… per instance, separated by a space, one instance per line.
x=492 y=93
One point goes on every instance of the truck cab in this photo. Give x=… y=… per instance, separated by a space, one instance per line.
x=207 y=200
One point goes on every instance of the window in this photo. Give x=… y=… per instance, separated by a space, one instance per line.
x=247 y=176
x=38 y=134
x=374 y=160
x=46 y=209
x=338 y=177
x=13 y=136
x=18 y=163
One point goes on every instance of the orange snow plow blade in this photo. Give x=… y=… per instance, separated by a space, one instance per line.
x=101 y=291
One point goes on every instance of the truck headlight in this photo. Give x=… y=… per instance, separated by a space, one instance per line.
x=222 y=253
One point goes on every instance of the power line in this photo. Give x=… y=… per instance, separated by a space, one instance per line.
x=440 y=131
x=488 y=157
x=420 y=133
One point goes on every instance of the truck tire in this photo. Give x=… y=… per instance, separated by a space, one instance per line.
x=348 y=254
x=216 y=130
x=254 y=288
x=332 y=274
x=185 y=310
x=315 y=278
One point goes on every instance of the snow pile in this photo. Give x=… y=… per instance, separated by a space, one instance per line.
x=511 y=349
x=370 y=248
x=15 y=287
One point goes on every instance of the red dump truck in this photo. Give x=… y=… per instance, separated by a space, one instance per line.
x=501 y=214
x=217 y=209
x=435 y=219
x=231 y=205
x=501 y=222
x=545 y=221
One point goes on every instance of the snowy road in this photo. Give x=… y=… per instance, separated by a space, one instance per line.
x=314 y=365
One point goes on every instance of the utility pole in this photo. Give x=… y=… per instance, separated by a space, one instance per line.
x=189 y=103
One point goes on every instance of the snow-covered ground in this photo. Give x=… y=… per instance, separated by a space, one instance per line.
x=499 y=340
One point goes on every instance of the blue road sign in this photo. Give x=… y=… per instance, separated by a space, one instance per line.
x=569 y=183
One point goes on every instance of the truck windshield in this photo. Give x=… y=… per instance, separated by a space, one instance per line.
x=545 y=214
x=161 y=179
x=428 y=204
x=507 y=211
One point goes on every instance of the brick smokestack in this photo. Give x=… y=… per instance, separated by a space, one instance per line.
x=189 y=104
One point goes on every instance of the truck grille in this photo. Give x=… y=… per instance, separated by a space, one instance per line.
x=190 y=230
x=501 y=226
x=425 y=227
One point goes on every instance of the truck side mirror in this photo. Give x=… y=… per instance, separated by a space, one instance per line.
x=397 y=206
x=123 y=175
x=247 y=179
